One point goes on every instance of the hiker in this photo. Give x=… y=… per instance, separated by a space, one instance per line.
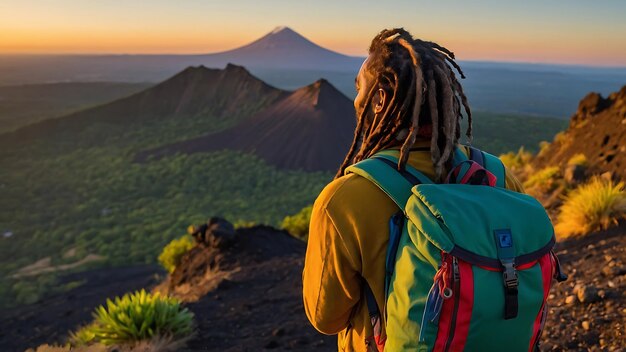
x=408 y=108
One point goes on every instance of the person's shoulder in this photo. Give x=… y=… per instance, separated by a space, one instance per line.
x=346 y=191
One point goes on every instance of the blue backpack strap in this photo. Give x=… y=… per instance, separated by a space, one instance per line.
x=477 y=155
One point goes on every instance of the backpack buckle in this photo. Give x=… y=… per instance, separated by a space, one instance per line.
x=509 y=275
x=511 y=282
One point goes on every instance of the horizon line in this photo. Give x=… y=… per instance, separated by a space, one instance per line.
x=481 y=60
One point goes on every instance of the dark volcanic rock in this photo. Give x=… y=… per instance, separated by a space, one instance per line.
x=50 y=320
x=217 y=233
x=587 y=312
x=248 y=296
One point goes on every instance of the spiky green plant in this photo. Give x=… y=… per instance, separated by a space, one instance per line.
x=136 y=317
x=298 y=224
x=173 y=252
x=593 y=206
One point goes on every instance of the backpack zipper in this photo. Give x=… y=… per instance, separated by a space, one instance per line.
x=456 y=286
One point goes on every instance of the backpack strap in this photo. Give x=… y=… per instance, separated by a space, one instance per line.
x=490 y=162
x=382 y=170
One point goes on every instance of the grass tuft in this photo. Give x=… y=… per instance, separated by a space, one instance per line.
x=579 y=159
x=596 y=205
x=516 y=160
x=544 y=180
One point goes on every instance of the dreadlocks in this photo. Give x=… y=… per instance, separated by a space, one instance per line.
x=424 y=91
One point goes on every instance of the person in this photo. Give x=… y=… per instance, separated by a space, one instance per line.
x=409 y=99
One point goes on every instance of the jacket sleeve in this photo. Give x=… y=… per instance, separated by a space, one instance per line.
x=331 y=280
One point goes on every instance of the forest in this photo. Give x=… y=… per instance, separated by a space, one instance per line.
x=78 y=191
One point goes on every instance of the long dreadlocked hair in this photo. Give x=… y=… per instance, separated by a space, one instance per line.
x=418 y=76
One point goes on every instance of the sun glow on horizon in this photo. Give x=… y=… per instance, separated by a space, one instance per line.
x=485 y=31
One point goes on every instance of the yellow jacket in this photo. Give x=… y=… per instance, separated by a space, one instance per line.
x=347 y=242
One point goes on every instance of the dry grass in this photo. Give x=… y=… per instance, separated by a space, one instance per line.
x=543 y=180
x=516 y=160
x=44 y=266
x=578 y=159
x=596 y=205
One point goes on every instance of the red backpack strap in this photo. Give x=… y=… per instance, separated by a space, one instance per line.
x=489 y=162
x=471 y=172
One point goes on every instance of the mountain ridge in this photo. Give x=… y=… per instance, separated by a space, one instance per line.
x=598 y=131
x=309 y=129
x=194 y=91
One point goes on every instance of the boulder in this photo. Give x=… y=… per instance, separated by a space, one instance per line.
x=217 y=233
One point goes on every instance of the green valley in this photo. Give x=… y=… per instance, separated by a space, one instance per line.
x=72 y=185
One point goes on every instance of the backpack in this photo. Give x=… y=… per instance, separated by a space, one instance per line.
x=469 y=263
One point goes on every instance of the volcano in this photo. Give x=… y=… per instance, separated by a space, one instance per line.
x=283 y=48
x=310 y=129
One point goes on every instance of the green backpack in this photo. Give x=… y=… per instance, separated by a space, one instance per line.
x=469 y=263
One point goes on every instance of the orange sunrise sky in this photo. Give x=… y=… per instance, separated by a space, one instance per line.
x=570 y=32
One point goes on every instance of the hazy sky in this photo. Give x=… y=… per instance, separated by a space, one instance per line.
x=563 y=31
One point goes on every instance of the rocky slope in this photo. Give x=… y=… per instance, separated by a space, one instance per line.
x=245 y=289
x=588 y=311
x=598 y=131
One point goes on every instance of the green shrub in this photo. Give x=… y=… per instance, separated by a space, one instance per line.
x=136 y=317
x=173 y=252
x=578 y=159
x=593 y=206
x=544 y=180
x=298 y=224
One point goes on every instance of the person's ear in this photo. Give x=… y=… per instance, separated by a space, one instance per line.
x=380 y=103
